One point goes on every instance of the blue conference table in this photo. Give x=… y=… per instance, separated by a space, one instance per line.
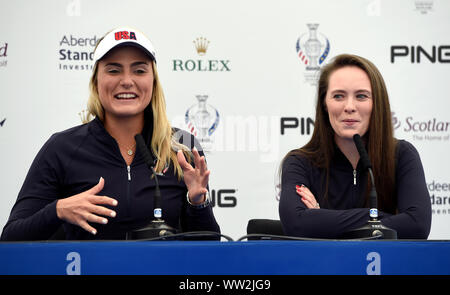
x=226 y=258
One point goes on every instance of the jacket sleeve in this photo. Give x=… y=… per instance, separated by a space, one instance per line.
x=33 y=216
x=195 y=219
x=413 y=220
x=298 y=220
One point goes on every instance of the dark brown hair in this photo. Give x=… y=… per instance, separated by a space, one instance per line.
x=379 y=138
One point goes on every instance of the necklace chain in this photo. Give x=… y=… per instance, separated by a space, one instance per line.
x=129 y=150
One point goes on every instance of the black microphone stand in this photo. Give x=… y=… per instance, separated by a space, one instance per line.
x=373 y=228
x=157 y=227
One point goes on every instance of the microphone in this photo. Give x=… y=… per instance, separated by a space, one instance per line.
x=364 y=158
x=157 y=227
x=373 y=228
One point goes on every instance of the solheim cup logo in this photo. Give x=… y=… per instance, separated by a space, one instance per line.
x=312 y=49
x=202 y=120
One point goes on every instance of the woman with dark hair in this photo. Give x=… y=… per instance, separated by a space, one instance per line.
x=324 y=188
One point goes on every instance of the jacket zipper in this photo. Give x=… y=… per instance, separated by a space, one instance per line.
x=129 y=173
x=128 y=189
x=354 y=177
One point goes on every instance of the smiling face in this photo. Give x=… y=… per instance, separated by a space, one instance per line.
x=125 y=82
x=349 y=102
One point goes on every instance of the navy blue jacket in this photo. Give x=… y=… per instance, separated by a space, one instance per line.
x=344 y=209
x=73 y=161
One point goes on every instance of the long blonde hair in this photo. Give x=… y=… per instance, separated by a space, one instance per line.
x=163 y=144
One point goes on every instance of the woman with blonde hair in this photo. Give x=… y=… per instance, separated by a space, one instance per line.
x=93 y=179
x=324 y=186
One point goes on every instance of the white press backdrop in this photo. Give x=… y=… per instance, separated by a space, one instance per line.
x=259 y=92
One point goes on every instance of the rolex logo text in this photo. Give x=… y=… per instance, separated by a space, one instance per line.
x=201 y=64
x=191 y=65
